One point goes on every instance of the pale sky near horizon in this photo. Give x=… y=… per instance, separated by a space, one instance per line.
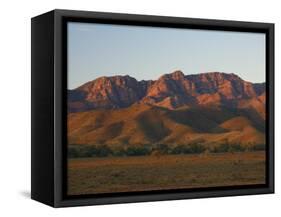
x=145 y=53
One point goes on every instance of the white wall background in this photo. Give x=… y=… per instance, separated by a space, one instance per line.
x=15 y=106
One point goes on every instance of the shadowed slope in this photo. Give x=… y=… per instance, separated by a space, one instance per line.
x=143 y=124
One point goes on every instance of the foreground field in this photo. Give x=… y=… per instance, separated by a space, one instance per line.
x=114 y=174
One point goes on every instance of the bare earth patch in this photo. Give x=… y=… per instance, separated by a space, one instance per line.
x=128 y=174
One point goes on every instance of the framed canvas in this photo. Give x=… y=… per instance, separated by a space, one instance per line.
x=134 y=108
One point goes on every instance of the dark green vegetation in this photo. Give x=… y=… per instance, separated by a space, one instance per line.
x=86 y=151
x=124 y=174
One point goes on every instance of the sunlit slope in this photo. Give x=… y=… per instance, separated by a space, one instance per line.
x=142 y=124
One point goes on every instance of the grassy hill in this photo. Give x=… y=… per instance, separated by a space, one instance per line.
x=142 y=124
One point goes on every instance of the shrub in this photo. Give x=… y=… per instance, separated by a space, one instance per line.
x=220 y=148
x=76 y=151
x=72 y=152
x=180 y=149
x=197 y=148
x=119 y=152
x=258 y=147
x=137 y=151
x=236 y=148
x=160 y=149
x=102 y=151
x=225 y=147
x=188 y=149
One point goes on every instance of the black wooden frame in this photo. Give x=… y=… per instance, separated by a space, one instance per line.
x=49 y=96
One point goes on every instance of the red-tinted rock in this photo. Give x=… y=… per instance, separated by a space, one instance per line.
x=170 y=90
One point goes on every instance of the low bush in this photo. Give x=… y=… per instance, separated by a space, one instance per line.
x=225 y=147
x=257 y=147
x=137 y=151
x=77 y=151
x=188 y=149
x=160 y=149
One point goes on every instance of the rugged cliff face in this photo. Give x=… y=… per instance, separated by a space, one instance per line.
x=171 y=91
x=106 y=92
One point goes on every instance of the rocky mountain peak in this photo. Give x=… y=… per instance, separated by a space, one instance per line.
x=177 y=75
x=170 y=90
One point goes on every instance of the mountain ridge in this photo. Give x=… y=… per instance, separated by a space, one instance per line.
x=173 y=91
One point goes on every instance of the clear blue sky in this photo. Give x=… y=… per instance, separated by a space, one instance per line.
x=145 y=53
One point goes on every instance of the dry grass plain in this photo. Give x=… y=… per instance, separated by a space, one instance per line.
x=127 y=174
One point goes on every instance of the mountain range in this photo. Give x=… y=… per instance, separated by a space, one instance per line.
x=209 y=108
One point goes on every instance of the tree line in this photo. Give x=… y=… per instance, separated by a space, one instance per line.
x=84 y=151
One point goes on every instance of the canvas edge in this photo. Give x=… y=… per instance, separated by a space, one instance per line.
x=42 y=146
